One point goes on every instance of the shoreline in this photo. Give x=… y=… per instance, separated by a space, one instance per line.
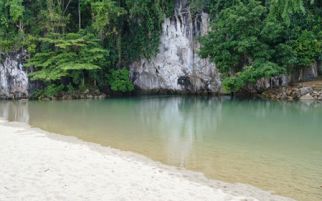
x=39 y=165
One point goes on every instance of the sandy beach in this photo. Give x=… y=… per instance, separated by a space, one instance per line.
x=36 y=165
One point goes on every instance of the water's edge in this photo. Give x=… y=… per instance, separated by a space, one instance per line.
x=236 y=189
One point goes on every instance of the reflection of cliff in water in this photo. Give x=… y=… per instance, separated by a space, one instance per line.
x=14 y=111
x=172 y=124
x=176 y=126
x=180 y=122
x=176 y=129
x=273 y=145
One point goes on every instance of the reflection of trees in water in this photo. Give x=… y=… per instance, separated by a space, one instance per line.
x=185 y=124
x=175 y=127
x=15 y=111
x=271 y=112
x=179 y=122
x=199 y=117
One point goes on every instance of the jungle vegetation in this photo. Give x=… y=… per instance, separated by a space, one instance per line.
x=253 y=39
x=81 y=44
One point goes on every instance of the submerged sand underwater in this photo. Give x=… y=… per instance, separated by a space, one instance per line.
x=36 y=165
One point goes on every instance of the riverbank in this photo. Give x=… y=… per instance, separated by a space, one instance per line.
x=308 y=91
x=37 y=165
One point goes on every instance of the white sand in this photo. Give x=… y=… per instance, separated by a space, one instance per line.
x=35 y=165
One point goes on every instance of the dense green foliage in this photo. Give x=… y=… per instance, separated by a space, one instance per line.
x=82 y=43
x=119 y=81
x=62 y=56
x=253 y=39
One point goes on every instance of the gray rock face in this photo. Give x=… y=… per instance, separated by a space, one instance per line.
x=306 y=74
x=267 y=83
x=13 y=80
x=307 y=97
x=305 y=90
x=310 y=73
x=177 y=67
x=319 y=65
x=320 y=96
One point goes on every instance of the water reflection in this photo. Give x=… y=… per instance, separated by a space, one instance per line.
x=175 y=123
x=179 y=123
x=15 y=111
x=274 y=145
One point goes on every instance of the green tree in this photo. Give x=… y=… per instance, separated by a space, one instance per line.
x=77 y=42
x=67 y=56
x=120 y=81
x=237 y=47
x=11 y=25
x=144 y=26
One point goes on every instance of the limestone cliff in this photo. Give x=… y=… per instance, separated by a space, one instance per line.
x=13 y=80
x=177 y=66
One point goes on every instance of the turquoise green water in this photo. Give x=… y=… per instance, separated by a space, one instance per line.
x=271 y=145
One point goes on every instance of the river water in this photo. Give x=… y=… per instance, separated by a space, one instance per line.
x=276 y=146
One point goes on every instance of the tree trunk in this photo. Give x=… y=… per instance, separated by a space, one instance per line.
x=119 y=50
x=83 y=78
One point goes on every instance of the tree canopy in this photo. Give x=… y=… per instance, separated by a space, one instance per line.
x=90 y=43
x=82 y=42
x=253 y=39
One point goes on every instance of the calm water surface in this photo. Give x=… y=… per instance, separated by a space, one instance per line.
x=271 y=145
